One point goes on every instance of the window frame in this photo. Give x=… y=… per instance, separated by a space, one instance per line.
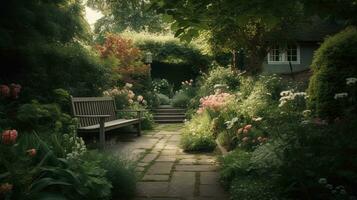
x=283 y=53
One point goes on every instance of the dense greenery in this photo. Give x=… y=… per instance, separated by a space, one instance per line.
x=129 y=14
x=172 y=60
x=333 y=63
x=278 y=148
x=43 y=158
x=51 y=49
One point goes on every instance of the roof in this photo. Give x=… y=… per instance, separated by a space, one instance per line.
x=316 y=30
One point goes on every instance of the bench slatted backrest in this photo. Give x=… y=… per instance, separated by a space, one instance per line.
x=93 y=106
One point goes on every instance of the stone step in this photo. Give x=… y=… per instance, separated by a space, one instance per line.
x=169 y=110
x=164 y=121
x=180 y=117
x=170 y=113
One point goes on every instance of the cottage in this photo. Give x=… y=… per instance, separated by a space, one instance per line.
x=297 y=56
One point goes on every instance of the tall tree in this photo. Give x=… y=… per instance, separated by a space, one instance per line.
x=126 y=14
x=250 y=24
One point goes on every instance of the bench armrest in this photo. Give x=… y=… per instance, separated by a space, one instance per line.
x=92 y=116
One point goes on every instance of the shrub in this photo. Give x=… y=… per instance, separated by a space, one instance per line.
x=218 y=75
x=125 y=99
x=162 y=86
x=244 y=181
x=320 y=147
x=119 y=172
x=197 y=134
x=181 y=100
x=333 y=62
x=125 y=61
x=164 y=100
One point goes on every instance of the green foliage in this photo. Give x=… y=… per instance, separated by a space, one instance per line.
x=43 y=174
x=333 y=62
x=320 y=147
x=164 y=100
x=120 y=172
x=239 y=173
x=50 y=53
x=197 y=135
x=218 y=75
x=172 y=60
x=162 y=86
x=129 y=14
x=44 y=118
x=251 y=25
x=180 y=100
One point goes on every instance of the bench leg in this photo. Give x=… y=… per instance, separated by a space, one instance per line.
x=102 y=134
x=138 y=128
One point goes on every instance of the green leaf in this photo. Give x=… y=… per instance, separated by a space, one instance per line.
x=41 y=184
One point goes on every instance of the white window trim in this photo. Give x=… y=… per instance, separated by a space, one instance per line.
x=284 y=57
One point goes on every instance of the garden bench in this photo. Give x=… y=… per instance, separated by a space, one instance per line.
x=99 y=114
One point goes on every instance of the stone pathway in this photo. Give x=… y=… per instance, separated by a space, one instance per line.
x=168 y=173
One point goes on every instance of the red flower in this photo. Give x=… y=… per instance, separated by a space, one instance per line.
x=15 y=90
x=4 y=91
x=31 y=152
x=9 y=136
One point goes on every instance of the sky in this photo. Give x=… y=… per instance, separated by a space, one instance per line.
x=92 y=16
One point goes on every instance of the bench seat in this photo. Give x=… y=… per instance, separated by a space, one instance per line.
x=110 y=125
x=99 y=114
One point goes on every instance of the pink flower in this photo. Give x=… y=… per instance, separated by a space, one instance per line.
x=9 y=136
x=4 y=91
x=245 y=131
x=32 y=152
x=248 y=127
x=239 y=131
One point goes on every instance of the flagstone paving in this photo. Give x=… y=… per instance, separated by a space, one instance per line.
x=169 y=173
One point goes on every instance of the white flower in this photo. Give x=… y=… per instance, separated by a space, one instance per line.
x=257 y=119
x=106 y=93
x=140 y=98
x=128 y=85
x=131 y=101
x=306 y=112
x=351 y=81
x=341 y=95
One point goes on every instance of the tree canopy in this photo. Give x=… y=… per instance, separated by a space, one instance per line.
x=249 y=24
x=126 y=14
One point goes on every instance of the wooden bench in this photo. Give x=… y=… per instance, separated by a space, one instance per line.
x=99 y=114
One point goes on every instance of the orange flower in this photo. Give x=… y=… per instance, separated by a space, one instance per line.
x=6 y=187
x=32 y=152
x=9 y=136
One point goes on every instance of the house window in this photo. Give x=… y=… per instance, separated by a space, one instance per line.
x=290 y=53
x=275 y=54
